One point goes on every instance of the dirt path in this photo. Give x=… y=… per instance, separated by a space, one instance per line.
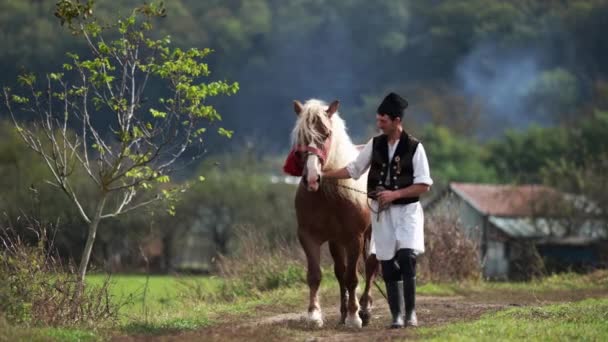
x=432 y=311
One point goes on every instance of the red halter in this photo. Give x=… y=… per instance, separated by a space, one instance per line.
x=294 y=164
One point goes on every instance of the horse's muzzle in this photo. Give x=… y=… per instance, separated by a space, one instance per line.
x=312 y=186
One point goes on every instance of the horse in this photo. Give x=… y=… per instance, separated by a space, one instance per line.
x=331 y=211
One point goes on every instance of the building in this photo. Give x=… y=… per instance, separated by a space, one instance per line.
x=521 y=229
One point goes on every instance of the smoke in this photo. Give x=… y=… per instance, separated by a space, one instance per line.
x=502 y=81
x=297 y=66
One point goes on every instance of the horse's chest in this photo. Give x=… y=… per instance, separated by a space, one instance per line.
x=329 y=215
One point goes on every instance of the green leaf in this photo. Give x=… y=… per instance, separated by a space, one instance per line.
x=225 y=132
x=93 y=29
x=56 y=76
x=163 y=179
x=157 y=113
x=20 y=99
x=199 y=131
x=26 y=79
x=103 y=48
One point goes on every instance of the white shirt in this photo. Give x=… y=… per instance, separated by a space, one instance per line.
x=401 y=225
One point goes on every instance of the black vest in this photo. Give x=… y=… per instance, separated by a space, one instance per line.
x=401 y=166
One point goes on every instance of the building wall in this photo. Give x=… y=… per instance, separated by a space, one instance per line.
x=496 y=263
x=471 y=219
x=494 y=254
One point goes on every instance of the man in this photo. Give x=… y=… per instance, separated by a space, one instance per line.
x=398 y=175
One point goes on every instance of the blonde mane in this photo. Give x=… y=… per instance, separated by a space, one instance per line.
x=341 y=152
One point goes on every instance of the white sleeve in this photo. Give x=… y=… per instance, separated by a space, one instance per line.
x=357 y=167
x=422 y=174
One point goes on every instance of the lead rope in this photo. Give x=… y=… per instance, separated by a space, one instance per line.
x=380 y=208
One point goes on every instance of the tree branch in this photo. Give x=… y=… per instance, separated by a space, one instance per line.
x=139 y=205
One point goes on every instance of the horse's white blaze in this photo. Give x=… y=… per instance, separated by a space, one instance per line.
x=313 y=167
x=316 y=318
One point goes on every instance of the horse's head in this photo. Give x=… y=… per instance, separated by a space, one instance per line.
x=312 y=138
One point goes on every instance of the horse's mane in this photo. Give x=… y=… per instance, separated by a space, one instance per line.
x=341 y=152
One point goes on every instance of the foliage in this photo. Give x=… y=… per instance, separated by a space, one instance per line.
x=36 y=289
x=455 y=159
x=258 y=266
x=424 y=46
x=237 y=191
x=130 y=166
x=449 y=255
x=571 y=158
x=521 y=155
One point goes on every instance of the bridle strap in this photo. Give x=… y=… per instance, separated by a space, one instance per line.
x=321 y=153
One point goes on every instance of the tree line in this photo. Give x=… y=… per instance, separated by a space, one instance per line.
x=475 y=66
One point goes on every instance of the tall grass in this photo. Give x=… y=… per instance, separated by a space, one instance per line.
x=450 y=255
x=37 y=289
x=258 y=266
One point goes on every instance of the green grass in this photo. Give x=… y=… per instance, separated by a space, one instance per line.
x=68 y=334
x=9 y=333
x=556 y=282
x=433 y=289
x=169 y=304
x=161 y=293
x=586 y=320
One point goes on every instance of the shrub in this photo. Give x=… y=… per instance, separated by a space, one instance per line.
x=256 y=266
x=449 y=255
x=35 y=288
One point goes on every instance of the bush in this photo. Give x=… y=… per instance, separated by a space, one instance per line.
x=258 y=266
x=449 y=255
x=36 y=289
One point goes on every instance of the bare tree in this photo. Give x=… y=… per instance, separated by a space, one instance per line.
x=95 y=116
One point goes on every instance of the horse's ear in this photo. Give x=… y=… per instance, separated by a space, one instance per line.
x=297 y=107
x=333 y=108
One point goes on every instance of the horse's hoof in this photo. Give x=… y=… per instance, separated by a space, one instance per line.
x=353 y=321
x=315 y=319
x=365 y=317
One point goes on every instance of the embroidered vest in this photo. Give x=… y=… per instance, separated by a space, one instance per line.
x=400 y=166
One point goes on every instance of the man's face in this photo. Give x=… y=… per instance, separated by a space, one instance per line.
x=386 y=124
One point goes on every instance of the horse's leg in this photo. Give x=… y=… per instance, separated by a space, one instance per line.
x=353 y=252
x=312 y=249
x=337 y=253
x=371 y=269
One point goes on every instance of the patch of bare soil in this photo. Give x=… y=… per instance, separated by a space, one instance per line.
x=432 y=311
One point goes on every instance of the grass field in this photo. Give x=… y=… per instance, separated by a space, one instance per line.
x=160 y=305
x=581 y=321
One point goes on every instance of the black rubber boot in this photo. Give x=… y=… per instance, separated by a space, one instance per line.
x=409 y=291
x=394 y=294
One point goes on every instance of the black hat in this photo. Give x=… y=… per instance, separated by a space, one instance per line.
x=393 y=105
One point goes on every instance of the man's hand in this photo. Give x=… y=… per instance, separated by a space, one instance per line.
x=386 y=197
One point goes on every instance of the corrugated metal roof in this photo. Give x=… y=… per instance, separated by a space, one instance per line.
x=519 y=227
x=509 y=200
